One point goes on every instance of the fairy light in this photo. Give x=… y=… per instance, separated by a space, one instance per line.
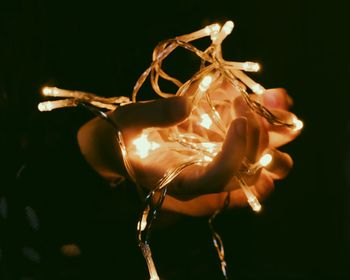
x=258 y=89
x=206 y=122
x=297 y=124
x=194 y=142
x=265 y=160
x=144 y=146
x=217 y=38
x=48 y=91
x=205 y=83
x=251 y=66
x=212 y=29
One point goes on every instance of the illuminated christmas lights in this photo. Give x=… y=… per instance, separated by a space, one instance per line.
x=194 y=137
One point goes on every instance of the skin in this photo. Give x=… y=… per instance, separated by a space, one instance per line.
x=197 y=190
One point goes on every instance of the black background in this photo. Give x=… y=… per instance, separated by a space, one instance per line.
x=102 y=47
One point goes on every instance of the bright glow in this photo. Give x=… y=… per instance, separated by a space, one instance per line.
x=211 y=29
x=46 y=90
x=50 y=91
x=254 y=203
x=143 y=146
x=206 y=121
x=251 y=66
x=205 y=83
x=228 y=27
x=265 y=160
x=45 y=106
x=298 y=124
x=142 y=224
x=210 y=147
x=258 y=89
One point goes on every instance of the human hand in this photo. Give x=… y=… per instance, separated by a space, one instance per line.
x=198 y=189
x=261 y=137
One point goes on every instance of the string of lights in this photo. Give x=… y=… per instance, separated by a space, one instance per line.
x=200 y=137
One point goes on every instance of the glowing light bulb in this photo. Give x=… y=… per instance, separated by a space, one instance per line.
x=143 y=146
x=206 y=121
x=50 y=91
x=210 y=147
x=258 y=89
x=228 y=27
x=45 y=106
x=251 y=66
x=265 y=160
x=254 y=204
x=298 y=124
x=205 y=83
x=211 y=150
x=251 y=198
x=211 y=29
x=46 y=91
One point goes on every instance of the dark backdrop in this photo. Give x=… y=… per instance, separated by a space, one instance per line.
x=102 y=47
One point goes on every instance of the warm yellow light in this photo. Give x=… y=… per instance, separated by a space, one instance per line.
x=265 y=160
x=254 y=204
x=228 y=27
x=205 y=83
x=258 y=89
x=251 y=66
x=211 y=149
x=143 y=146
x=298 y=124
x=50 y=91
x=46 y=90
x=45 y=106
x=211 y=29
x=251 y=198
x=206 y=121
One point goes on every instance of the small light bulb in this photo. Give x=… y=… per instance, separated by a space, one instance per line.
x=206 y=121
x=251 y=198
x=254 y=204
x=45 y=106
x=142 y=225
x=205 y=83
x=211 y=29
x=265 y=160
x=46 y=90
x=210 y=147
x=258 y=89
x=251 y=66
x=143 y=146
x=228 y=27
x=298 y=124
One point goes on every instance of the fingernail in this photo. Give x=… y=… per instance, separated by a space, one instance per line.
x=241 y=127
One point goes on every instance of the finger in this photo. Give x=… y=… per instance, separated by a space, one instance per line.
x=156 y=113
x=264 y=186
x=277 y=98
x=257 y=139
x=198 y=206
x=280 y=165
x=214 y=177
x=278 y=134
x=257 y=136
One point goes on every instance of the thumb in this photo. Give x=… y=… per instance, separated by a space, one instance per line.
x=155 y=113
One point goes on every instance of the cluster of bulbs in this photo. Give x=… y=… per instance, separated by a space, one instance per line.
x=200 y=137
